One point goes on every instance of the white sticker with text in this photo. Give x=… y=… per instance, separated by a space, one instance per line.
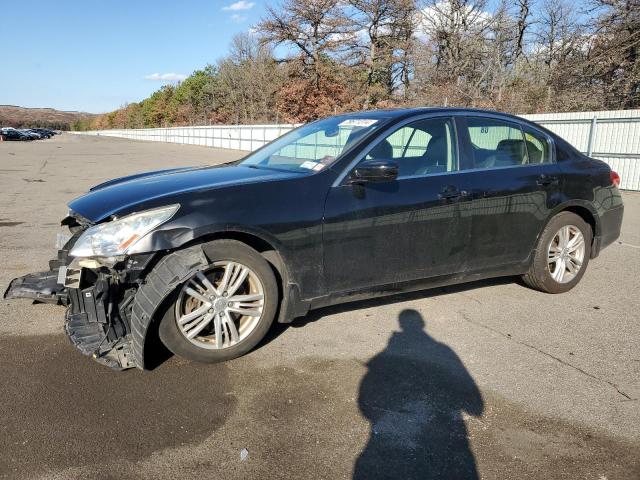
x=357 y=122
x=309 y=165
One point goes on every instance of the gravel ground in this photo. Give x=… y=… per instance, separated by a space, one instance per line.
x=488 y=379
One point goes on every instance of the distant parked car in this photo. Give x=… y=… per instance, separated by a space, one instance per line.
x=345 y=208
x=43 y=132
x=26 y=133
x=12 y=134
x=30 y=133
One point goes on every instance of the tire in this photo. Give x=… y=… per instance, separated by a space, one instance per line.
x=542 y=274
x=203 y=348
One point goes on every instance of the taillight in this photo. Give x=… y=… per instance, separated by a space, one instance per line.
x=615 y=178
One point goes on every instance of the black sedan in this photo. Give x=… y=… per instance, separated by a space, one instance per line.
x=12 y=134
x=43 y=132
x=345 y=208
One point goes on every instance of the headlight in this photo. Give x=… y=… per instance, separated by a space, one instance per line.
x=115 y=238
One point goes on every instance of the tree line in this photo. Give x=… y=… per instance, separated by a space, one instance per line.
x=310 y=58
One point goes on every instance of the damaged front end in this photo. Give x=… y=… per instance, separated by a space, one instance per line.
x=98 y=294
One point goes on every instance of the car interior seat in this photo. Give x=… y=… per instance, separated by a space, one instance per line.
x=535 y=154
x=510 y=152
x=434 y=159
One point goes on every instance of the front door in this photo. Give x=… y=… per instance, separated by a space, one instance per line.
x=408 y=228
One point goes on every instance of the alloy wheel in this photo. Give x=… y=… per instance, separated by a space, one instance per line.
x=220 y=307
x=565 y=254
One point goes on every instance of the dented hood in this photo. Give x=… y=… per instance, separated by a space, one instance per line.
x=127 y=194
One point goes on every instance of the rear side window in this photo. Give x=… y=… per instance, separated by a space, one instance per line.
x=538 y=147
x=496 y=143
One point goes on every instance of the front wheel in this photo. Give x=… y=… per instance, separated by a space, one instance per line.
x=562 y=254
x=224 y=310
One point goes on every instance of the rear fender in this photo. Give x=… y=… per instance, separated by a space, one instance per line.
x=589 y=214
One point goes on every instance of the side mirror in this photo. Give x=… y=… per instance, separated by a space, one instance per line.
x=374 y=171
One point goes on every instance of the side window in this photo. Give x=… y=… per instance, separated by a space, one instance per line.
x=418 y=144
x=420 y=148
x=496 y=143
x=538 y=147
x=399 y=140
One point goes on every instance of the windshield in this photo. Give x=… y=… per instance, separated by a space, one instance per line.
x=313 y=147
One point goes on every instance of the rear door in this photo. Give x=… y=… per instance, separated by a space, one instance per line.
x=514 y=183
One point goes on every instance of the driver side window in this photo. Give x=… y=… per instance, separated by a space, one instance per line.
x=423 y=147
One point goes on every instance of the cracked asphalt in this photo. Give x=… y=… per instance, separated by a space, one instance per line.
x=483 y=380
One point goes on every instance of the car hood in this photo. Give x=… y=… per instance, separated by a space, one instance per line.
x=124 y=195
x=152 y=173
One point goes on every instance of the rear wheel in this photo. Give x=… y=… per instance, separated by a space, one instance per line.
x=562 y=254
x=224 y=310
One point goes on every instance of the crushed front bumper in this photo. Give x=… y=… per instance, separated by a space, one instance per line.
x=98 y=301
x=97 y=318
x=42 y=287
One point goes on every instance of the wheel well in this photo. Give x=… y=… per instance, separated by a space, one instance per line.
x=587 y=216
x=266 y=249
x=154 y=349
x=257 y=243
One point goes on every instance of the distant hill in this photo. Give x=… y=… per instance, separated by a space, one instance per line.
x=22 y=117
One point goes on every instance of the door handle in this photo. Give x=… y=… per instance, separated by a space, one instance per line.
x=451 y=193
x=546 y=180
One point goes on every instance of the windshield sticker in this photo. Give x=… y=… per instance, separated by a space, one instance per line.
x=357 y=122
x=318 y=167
x=309 y=165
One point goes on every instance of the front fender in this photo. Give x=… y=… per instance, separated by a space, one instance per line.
x=174 y=237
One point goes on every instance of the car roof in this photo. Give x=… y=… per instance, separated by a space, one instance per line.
x=396 y=113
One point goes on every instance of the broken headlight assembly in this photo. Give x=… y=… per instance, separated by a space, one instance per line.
x=115 y=238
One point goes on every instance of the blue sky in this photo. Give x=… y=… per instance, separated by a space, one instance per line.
x=94 y=55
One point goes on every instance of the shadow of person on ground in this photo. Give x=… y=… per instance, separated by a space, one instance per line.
x=414 y=395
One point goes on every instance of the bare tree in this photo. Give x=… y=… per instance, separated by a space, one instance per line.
x=249 y=79
x=461 y=38
x=615 y=56
x=459 y=29
x=315 y=28
x=559 y=54
x=523 y=16
x=382 y=43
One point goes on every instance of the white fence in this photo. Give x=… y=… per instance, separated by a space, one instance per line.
x=612 y=136
x=235 y=137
